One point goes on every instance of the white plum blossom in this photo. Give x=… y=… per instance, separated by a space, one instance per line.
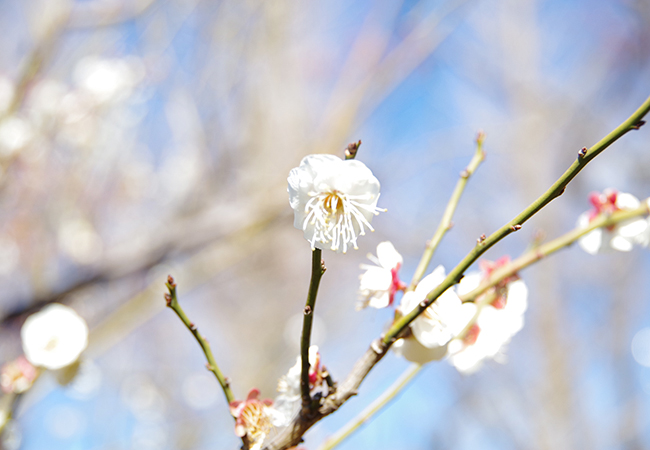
x=54 y=337
x=494 y=323
x=17 y=376
x=108 y=79
x=289 y=400
x=333 y=200
x=254 y=418
x=381 y=282
x=436 y=326
x=622 y=236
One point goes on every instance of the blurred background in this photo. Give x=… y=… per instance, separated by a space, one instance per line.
x=150 y=137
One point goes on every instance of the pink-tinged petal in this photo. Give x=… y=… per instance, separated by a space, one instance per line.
x=253 y=394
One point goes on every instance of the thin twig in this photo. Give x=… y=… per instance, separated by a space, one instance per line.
x=373 y=408
x=172 y=302
x=445 y=222
x=553 y=246
x=317 y=271
x=633 y=122
x=432 y=245
x=292 y=435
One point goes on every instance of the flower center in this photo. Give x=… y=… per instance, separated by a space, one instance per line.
x=338 y=218
x=256 y=422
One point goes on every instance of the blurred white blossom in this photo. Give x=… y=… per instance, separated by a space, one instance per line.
x=54 y=337
x=437 y=325
x=78 y=239
x=289 y=400
x=622 y=236
x=333 y=200
x=15 y=134
x=380 y=283
x=495 y=322
x=108 y=79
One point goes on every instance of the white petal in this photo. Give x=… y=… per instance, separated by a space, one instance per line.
x=517 y=301
x=620 y=243
x=627 y=201
x=431 y=281
x=469 y=282
x=411 y=350
x=388 y=257
x=632 y=229
x=376 y=279
x=592 y=241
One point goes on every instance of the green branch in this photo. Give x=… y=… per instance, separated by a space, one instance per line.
x=445 y=223
x=553 y=246
x=373 y=408
x=172 y=302
x=584 y=156
x=317 y=271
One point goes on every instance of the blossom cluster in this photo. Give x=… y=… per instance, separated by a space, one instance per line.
x=465 y=333
x=257 y=419
x=622 y=236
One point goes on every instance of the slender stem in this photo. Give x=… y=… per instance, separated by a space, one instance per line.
x=537 y=253
x=445 y=223
x=584 y=156
x=444 y=226
x=553 y=246
x=317 y=271
x=373 y=408
x=172 y=302
x=292 y=435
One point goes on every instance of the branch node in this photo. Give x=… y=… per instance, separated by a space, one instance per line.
x=352 y=149
x=322 y=266
x=638 y=125
x=582 y=152
x=307 y=310
x=481 y=240
x=464 y=173
x=515 y=227
x=168 y=299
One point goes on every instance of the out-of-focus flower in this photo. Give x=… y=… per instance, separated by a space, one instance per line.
x=333 y=200
x=436 y=326
x=380 y=283
x=54 y=337
x=17 y=376
x=15 y=134
x=78 y=239
x=289 y=400
x=621 y=236
x=108 y=79
x=254 y=418
x=500 y=317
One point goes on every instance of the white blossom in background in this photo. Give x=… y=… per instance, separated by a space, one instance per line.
x=333 y=201
x=436 y=326
x=254 y=418
x=108 y=79
x=16 y=133
x=622 y=236
x=495 y=323
x=54 y=337
x=289 y=400
x=381 y=282
x=17 y=376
